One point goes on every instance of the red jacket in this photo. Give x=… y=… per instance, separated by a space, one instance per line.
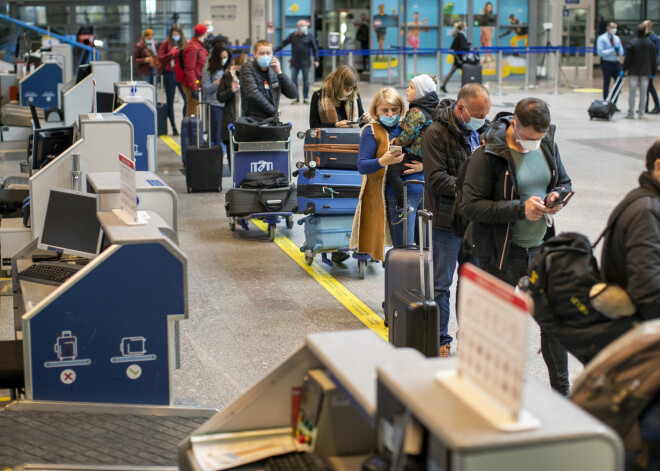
x=141 y=56
x=194 y=58
x=165 y=55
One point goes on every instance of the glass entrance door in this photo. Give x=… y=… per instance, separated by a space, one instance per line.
x=575 y=33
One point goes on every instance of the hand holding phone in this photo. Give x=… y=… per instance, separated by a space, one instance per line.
x=564 y=197
x=396 y=149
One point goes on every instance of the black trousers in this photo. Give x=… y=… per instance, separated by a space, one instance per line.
x=654 y=94
x=611 y=71
x=554 y=355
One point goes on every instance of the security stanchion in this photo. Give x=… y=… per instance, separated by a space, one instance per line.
x=575 y=79
x=334 y=60
x=500 y=63
x=438 y=67
x=557 y=71
x=350 y=58
x=527 y=68
x=415 y=63
x=389 y=68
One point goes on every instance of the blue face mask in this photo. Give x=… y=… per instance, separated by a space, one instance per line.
x=264 y=61
x=474 y=123
x=389 y=121
x=176 y=38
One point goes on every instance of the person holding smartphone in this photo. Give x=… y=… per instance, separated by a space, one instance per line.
x=228 y=93
x=337 y=104
x=371 y=234
x=262 y=83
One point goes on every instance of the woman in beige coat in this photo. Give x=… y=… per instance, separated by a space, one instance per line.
x=371 y=227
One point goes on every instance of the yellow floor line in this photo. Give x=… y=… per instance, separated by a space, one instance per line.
x=330 y=283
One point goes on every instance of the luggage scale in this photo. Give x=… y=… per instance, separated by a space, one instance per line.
x=259 y=156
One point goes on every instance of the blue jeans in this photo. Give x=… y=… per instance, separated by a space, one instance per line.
x=216 y=126
x=305 y=75
x=170 y=83
x=396 y=230
x=447 y=250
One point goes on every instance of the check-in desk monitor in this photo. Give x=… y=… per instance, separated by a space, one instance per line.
x=105 y=102
x=71 y=226
x=48 y=144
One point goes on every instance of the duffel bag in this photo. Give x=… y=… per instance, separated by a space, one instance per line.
x=252 y=130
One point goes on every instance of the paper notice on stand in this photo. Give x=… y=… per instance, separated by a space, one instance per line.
x=493 y=340
x=229 y=450
x=128 y=189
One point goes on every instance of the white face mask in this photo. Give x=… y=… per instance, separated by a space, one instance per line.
x=209 y=29
x=529 y=145
x=613 y=31
x=303 y=29
x=223 y=61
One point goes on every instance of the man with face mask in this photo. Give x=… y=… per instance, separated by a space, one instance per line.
x=303 y=46
x=609 y=49
x=504 y=197
x=446 y=145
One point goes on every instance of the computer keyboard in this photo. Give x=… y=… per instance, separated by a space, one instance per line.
x=298 y=462
x=56 y=273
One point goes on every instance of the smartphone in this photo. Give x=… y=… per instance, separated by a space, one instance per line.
x=396 y=149
x=564 y=197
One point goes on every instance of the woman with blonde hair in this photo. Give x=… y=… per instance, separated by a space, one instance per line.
x=337 y=103
x=460 y=43
x=372 y=226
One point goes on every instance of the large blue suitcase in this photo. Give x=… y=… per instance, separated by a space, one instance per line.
x=189 y=126
x=326 y=233
x=325 y=191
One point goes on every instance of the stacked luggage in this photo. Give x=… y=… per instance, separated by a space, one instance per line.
x=328 y=191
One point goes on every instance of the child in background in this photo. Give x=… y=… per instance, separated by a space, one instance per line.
x=423 y=99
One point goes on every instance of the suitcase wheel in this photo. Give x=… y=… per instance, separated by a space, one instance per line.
x=232 y=225
x=289 y=222
x=309 y=257
x=362 y=266
x=271 y=232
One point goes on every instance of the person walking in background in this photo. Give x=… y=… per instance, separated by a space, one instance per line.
x=194 y=58
x=655 y=39
x=460 y=43
x=446 y=146
x=228 y=93
x=168 y=55
x=145 y=56
x=609 y=49
x=216 y=66
x=262 y=84
x=303 y=46
x=337 y=104
x=510 y=184
x=640 y=63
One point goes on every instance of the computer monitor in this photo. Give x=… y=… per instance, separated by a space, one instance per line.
x=105 y=102
x=48 y=143
x=70 y=225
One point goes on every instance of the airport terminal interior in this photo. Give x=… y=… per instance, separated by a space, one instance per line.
x=195 y=339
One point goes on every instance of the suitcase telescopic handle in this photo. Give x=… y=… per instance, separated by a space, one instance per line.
x=405 y=202
x=425 y=218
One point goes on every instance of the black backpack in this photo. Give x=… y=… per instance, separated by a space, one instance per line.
x=560 y=280
x=264 y=180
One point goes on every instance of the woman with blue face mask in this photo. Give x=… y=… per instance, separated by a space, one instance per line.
x=217 y=64
x=262 y=83
x=372 y=229
x=168 y=57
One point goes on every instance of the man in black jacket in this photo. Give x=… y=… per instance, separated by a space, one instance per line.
x=262 y=82
x=504 y=197
x=640 y=64
x=631 y=251
x=303 y=46
x=446 y=145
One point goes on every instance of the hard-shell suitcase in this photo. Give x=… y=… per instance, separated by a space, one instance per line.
x=415 y=318
x=161 y=116
x=203 y=166
x=471 y=73
x=244 y=201
x=327 y=191
x=189 y=127
x=326 y=232
x=401 y=264
x=332 y=148
x=604 y=109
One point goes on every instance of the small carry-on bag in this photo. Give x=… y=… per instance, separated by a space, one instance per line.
x=604 y=109
x=189 y=127
x=332 y=148
x=244 y=201
x=203 y=165
x=252 y=130
x=415 y=318
x=325 y=191
x=401 y=264
x=327 y=232
x=161 y=116
x=472 y=73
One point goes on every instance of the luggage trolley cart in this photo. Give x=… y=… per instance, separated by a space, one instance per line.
x=269 y=205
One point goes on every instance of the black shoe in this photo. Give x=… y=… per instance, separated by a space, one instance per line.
x=616 y=110
x=295 y=102
x=175 y=131
x=306 y=102
x=443 y=89
x=655 y=111
x=339 y=257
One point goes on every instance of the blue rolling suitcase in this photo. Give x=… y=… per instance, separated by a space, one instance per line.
x=189 y=126
x=326 y=233
x=325 y=191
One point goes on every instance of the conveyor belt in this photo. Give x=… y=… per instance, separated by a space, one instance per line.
x=94 y=435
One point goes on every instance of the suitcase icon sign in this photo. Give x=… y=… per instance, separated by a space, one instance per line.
x=261 y=166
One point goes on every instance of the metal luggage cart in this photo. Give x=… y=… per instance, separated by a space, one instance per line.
x=260 y=156
x=362 y=258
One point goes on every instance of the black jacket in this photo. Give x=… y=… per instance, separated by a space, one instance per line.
x=315 y=116
x=258 y=102
x=641 y=58
x=302 y=47
x=444 y=149
x=490 y=198
x=631 y=251
x=427 y=104
x=228 y=97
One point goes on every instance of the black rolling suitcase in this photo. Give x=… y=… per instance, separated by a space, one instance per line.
x=161 y=117
x=203 y=165
x=604 y=109
x=471 y=73
x=332 y=148
x=401 y=264
x=415 y=318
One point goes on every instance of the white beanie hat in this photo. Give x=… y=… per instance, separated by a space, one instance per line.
x=424 y=85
